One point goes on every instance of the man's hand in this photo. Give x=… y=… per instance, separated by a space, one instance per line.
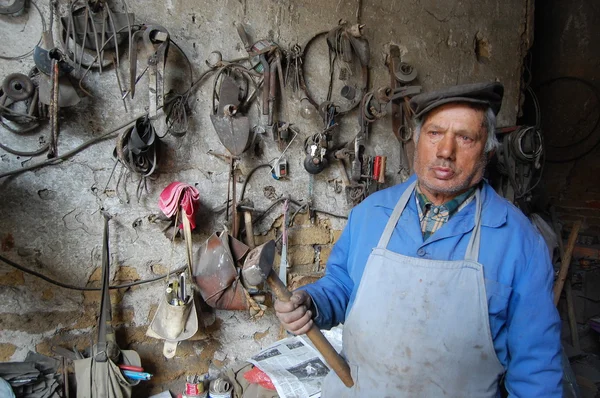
x=295 y=315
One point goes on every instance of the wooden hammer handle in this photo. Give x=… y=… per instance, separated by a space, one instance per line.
x=333 y=359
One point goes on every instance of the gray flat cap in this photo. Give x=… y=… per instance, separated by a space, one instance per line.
x=489 y=94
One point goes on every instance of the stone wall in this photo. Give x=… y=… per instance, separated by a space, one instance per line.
x=50 y=218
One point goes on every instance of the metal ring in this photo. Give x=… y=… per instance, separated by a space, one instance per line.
x=18 y=86
x=405 y=133
x=306 y=89
x=405 y=73
x=150 y=35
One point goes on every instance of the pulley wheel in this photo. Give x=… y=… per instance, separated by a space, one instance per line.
x=405 y=73
x=18 y=87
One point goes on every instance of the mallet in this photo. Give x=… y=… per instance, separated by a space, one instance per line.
x=258 y=267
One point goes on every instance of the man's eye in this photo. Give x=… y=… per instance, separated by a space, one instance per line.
x=466 y=139
x=433 y=133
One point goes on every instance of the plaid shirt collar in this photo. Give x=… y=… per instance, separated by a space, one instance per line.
x=433 y=217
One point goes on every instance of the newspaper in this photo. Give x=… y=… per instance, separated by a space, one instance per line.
x=295 y=367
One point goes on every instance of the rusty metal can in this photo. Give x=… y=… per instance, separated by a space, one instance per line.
x=194 y=387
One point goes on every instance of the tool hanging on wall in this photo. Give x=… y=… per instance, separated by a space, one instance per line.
x=92 y=33
x=53 y=109
x=21 y=111
x=176 y=318
x=317 y=146
x=347 y=47
x=55 y=89
x=232 y=128
x=293 y=67
x=348 y=50
x=231 y=202
x=231 y=100
x=367 y=172
x=44 y=55
x=267 y=56
x=521 y=158
x=401 y=75
x=355 y=190
x=156 y=39
x=520 y=161
x=137 y=150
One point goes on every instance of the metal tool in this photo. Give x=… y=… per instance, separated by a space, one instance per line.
x=317 y=146
x=258 y=267
x=355 y=190
x=293 y=65
x=231 y=191
x=283 y=263
x=232 y=128
x=43 y=56
x=401 y=74
x=157 y=38
x=94 y=26
x=259 y=49
x=52 y=150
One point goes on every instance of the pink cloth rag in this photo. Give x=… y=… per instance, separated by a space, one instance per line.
x=179 y=194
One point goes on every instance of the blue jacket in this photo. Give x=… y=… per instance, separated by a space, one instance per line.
x=518 y=278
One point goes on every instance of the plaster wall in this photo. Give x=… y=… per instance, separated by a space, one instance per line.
x=50 y=218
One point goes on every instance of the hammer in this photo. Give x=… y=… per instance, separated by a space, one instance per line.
x=258 y=267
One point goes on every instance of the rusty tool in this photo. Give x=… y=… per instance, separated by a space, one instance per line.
x=157 y=39
x=401 y=74
x=355 y=191
x=235 y=224
x=231 y=190
x=52 y=151
x=231 y=126
x=263 y=61
x=258 y=267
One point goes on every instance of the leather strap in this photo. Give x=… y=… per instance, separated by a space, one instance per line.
x=137 y=148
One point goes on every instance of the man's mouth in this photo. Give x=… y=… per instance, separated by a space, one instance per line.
x=443 y=173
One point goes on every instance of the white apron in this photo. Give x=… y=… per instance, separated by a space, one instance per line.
x=419 y=327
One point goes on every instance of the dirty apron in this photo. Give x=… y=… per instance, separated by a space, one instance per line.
x=419 y=327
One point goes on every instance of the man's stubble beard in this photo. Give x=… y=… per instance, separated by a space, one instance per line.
x=453 y=189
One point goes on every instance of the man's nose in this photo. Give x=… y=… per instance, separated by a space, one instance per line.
x=446 y=148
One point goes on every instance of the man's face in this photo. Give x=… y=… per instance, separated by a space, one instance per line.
x=450 y=157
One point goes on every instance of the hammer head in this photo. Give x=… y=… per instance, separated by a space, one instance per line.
x=259 y=263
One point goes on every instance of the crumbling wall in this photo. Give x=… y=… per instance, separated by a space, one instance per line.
x=50 y=218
